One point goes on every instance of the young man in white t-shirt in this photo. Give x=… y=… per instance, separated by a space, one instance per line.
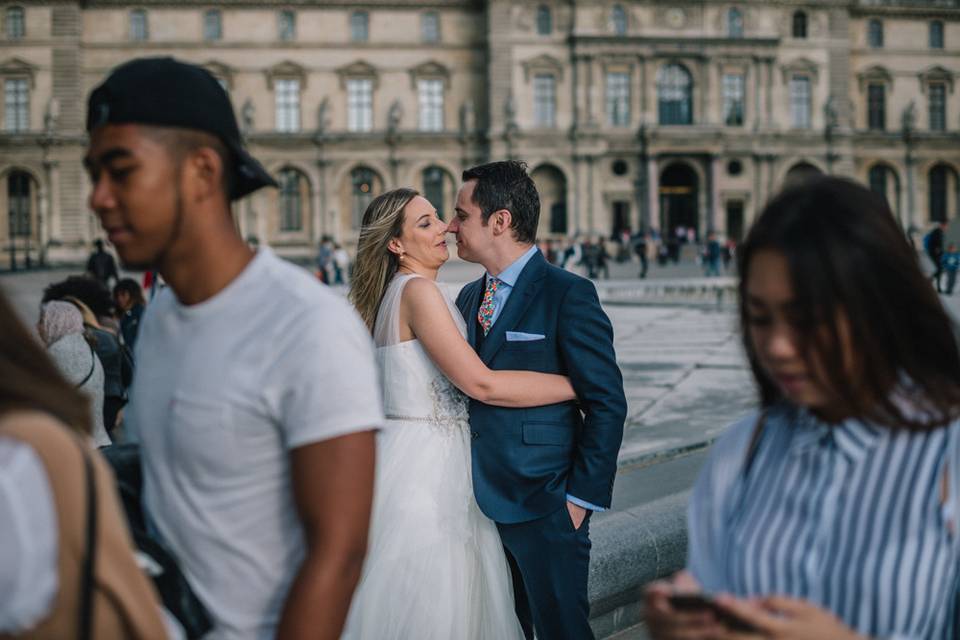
x=256 y=396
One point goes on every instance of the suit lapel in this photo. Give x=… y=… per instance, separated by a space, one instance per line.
x=470 y=308
x=517 y=304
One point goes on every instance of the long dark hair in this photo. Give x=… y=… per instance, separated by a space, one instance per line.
x=849 y=259
x=29 y=380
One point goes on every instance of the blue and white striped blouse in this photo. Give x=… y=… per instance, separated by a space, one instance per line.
x=850 y=518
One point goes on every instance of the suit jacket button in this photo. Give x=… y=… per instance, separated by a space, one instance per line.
x=474 y=434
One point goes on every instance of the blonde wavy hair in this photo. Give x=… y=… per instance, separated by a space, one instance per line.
x=376 y=265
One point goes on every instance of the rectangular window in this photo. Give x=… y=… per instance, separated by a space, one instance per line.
x=288 y=104
x=287 y=25
x=936 y=35
x=733 y=99
x=876 y=107
x=16 y=105
x=800 y=102
x=212 y=25
x=360 y=104
x=618 y=98
x=430 y=26
x=544 y=100
x=359 y=26
x=138 y=25
x=938 y=107
x=431 y=104
x=16 y=29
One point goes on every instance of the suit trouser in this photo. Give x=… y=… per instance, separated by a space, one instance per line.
x=550 y=562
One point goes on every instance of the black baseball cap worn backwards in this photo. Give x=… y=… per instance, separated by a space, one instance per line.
x=169 y=93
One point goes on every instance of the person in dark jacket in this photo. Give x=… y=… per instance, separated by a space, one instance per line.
x=101 y=265
x=933 y=243
x=128 y=297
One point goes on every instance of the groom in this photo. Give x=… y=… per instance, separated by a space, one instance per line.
x=538 y=473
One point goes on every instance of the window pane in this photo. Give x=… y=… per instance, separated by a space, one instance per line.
x=876 y=107
x=212 y=27
x=544 y=100
x=16 y=105
x=16 y=28
x=288 y=104
x=18 y=204
x=618 y=98
x=360 y=104
x=138 y=25
x=800 y=101
x=433 y=188
x=674 y=95
x=878 y=180
x=544 y=21
x=430 y=27
x=431 y=104
x=936 y=35
x=618 y=20
x=287 y=25
x=291 y=203
x=938 y=194
x=733 y=99
x=799 y=25
x=735 y=23
x=875 y=34
x=938 y=107
x=362 y=194
x=359 y=27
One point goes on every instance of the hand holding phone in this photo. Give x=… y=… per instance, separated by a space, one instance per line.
x=698 y=602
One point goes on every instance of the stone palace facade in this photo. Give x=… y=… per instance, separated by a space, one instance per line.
x=632 y=114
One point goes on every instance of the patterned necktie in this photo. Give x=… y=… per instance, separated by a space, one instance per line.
x=485 y=315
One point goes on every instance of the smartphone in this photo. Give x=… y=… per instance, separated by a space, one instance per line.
x=692 y=602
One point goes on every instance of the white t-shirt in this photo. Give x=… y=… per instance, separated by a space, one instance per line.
x=223 y=391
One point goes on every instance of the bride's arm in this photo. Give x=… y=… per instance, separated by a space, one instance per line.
x=428 y=316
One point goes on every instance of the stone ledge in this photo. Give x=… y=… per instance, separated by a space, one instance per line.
x=630 y=549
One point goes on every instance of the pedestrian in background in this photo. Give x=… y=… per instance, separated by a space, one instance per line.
x=61 y=329
x=933 y=245
x=639 y=242
x=128 y=297
x=950 y=263
x=341 y=264
x=101 y=265
x=711 y=256
x=324 y=260
x=257 y=398
x=46 y=478
x=832 y=512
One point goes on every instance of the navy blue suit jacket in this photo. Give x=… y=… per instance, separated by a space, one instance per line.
x=525 y=461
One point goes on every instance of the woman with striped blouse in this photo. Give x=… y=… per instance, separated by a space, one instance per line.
x=832 y=512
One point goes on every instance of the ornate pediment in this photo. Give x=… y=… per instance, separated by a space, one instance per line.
x=286 y=70
x=358 y=69
x=873 y=75
x=220 y=71
x=800 y=66
x=544 y=63
x=936 y=74
x=20 y=68
x=430 y=69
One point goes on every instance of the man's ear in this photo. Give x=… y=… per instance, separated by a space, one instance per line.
x=501 y=220
x=204 y=172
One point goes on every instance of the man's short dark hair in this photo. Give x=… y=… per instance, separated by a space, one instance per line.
x=506 y=185
x=85 y=289
x=182 y=142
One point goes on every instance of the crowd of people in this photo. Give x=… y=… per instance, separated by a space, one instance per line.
x=408 y=464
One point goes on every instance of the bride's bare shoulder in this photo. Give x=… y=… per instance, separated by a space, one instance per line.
x=423 y=292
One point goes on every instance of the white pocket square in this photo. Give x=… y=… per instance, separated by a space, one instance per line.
x=520 y=336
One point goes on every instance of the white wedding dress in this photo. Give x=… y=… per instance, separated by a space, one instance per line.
x=435 y=567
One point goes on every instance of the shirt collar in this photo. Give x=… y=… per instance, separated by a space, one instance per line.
x=511 y=274
x=853 y=438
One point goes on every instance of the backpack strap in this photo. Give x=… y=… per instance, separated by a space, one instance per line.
x=93 y=366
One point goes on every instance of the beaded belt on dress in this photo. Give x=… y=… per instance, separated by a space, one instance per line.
x=433 y=420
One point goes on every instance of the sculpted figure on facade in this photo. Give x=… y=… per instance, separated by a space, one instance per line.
x=247 y=115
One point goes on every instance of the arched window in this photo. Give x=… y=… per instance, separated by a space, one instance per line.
x=139 y=29
x=544 y=20
x=936 y=34
x=362 y=180
x=875 y=34
x=15 y=24
x=674 y=95
x=799 y=29
x=735 y=23
x=212 y=25
x=938 y=194
x=878 y=180
x=19 y=200
x=359 y=26
x=433 y=181
x=293 y=198
x=618 y=20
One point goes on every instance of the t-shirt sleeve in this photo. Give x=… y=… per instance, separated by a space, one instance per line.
x=326 y=380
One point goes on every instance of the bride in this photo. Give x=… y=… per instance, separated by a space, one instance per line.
x=435 y=567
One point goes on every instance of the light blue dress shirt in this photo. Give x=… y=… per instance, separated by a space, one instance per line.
x=508 y=280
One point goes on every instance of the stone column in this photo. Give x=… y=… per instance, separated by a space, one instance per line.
x=769 y=105
x=653 y=191
x=713 y=208
x=54 y=225
x=912 y=218
x=757 y=71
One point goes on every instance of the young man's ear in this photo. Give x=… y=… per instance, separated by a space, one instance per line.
x=205 y=172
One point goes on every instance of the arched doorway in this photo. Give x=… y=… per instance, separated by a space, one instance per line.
x=438 y=188
x=552 y=187
x=20 y=232
x=679 y=193
x=800 y=173
x=943 y=188
x=884 y=182
x=361 y=185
